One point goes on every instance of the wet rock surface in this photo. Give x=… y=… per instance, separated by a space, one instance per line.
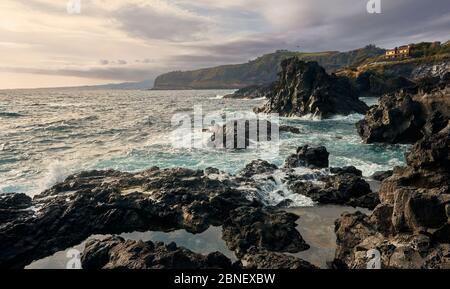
x=254 y=228
x=118 y=253
x=242 y=133
x=311 y=157
x=14 y=206
x=112 y=202
x=345 y=187
x=409 y=114
x=304 y=88
x=410 y=228
x=257 y=167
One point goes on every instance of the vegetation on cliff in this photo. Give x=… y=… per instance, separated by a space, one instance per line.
x=262 y=70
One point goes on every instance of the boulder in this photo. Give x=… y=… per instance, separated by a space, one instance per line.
x=256 y=168
x=263 y=229
x=242 y=133
x=311 y=157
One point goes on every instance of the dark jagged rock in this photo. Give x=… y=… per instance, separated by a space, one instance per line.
x=427 y=166
x=262 y=229
x=242 y=133
x=311 y=157
x=410 y=227
x=370 y=83
x=14 y=206
x=111 y=202
x=117 y=253
x=342 y=188
x=398 y=119
x=252 y=92
x=405 y=116
x=381 y=176
x=304 y=88
x=346 y=170
x=257 y=167
x=291 y=129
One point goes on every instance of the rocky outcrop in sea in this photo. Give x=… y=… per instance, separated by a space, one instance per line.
x=407 y=115
x=305 y=88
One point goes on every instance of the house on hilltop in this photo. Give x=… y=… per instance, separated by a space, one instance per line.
x=398 y=52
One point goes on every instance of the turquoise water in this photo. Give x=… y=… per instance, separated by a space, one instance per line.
x=46 y=135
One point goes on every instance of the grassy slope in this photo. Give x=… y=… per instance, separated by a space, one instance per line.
x=262 y=70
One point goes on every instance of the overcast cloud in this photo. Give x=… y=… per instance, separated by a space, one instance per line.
x=134 y=40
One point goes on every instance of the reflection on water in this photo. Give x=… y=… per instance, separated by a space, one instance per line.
x=204 y=243
x=316 y=225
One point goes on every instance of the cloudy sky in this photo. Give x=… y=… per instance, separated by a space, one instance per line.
x=42 y=45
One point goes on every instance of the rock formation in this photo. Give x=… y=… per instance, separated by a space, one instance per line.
x=411 y=226
x=304 y=88
x=310 y=157
x=405 y=116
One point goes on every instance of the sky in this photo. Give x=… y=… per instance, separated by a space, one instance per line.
x=113 y=41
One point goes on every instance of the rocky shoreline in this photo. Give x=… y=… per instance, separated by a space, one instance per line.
x=112 y=202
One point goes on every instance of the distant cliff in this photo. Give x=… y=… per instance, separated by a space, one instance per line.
x=262 y=70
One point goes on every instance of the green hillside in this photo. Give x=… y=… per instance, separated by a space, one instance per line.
x=262 y=70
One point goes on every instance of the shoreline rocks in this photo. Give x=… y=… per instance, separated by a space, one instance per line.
x=411 y=226
x=304 y=88
x=409 y=114
x=118 y=253
x=112 y=202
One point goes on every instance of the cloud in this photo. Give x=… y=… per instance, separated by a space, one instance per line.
x=128 y=40
x=160 y=20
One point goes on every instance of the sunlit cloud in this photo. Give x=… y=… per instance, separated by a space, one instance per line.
x=133 y=40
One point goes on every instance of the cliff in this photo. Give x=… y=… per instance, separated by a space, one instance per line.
x=260 y=71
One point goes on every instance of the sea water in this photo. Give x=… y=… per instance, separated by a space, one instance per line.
x=47 y=134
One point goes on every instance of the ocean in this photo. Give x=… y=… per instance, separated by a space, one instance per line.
x=48 y=134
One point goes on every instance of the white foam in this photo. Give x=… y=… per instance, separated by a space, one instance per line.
x=56 y=172
x=274 y=190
